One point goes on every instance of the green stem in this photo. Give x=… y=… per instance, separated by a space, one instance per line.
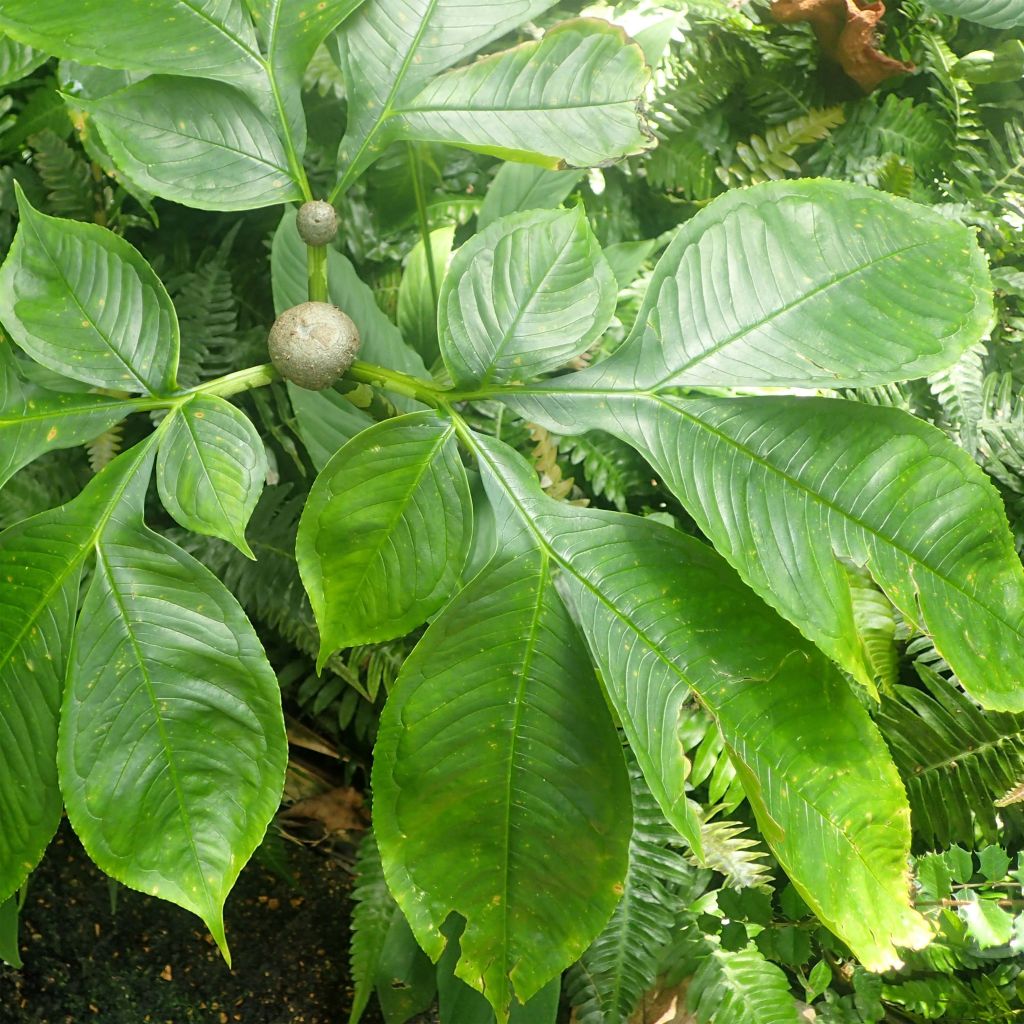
x=421 y=210
x=399 y=383
x=236 y=383
x=316 y=266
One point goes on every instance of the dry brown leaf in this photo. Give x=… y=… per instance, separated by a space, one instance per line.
x=847 y=31
x=338 y=810
x=664 y=1006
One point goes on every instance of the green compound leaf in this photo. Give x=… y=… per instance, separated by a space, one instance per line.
x=172 y=746
x=806 y=284
x=663 y=615
x=386 y=531
x=34 y=421
x=994 y=13
x=184 y=140
x=211 y=469
x=569 y=100
x=82 y=301
x=41 y=563
x=390 y=49
x=524 y=296
x=500 y=791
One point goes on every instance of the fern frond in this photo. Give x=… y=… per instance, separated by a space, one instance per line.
x=105 y=448
x=956 y=760
x=374 y=910
x=729 y=850
x=1012 y=796
x=770 y=157
x=1007 y=161
x=545 y=460
x=875 y=619
x=740 y=987
x=611 y=468
x=610 y=979
x=66 y=176
x=958 y=390
x=207 y=309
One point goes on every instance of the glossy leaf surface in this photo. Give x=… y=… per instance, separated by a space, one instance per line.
x=172 y=745
x=34 y=421
x=211 y=468
x=524 y=296
x=570 y=99
x=663 y=616
x=417 y=302
x=390 y=48
x=82 y=301
x=41 y=563
x=385 y=532
x=17 y=60
x=183 y=140
x=520 y=187
x=496 y=752
x=994 y=13
x=806 y=284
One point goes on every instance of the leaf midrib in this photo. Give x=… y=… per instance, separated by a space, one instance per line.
x=833 y=508
x=147 y=680
x=653 y=647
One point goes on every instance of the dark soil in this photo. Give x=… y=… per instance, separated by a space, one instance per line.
x=152 y=963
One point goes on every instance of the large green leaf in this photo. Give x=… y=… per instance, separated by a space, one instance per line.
x=172 y=746
x=211 y=469
x=792 y=490
x=201 y=38
x=389 y=50
x=41 y=563
x=82 y=301
x=664 y=615
x=994 y=13
x=500 y=791
x=570 y=99
x=34 y=421
x=386 y=531
x=203 y=144
x=417 y=300
x=806 y=284
x=524 y=296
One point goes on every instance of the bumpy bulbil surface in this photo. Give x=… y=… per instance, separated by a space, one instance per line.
x=317 y=222
x=313 y=344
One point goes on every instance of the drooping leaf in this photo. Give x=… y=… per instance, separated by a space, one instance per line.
x=185 y=140
x=34 y=421
x=172 y=745
x=417 y=303
x=82 y=301
x=41 y=563
x=570 y=99
x=406 y=981
x=524 y=296
x=17 y=60
x=389 y=49
x=520 y=187
x=994 y=13
x=740 y=988
x=211 y=468
x=9 y=951
x=790 y=489
x=664 y=615
x=806 y=284
x=385 y=532
x=499 y=788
